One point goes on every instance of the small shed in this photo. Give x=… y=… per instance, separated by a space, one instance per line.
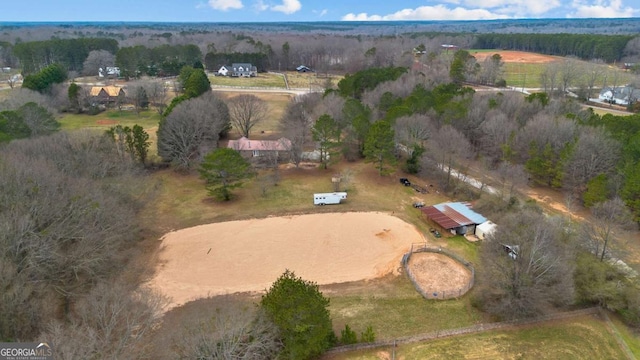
x=484 y=229
x=457 y=217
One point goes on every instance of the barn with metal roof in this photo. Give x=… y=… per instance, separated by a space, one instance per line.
x=456 y=217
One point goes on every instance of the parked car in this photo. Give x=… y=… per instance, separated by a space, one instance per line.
x=418 y=204
x=405 y=182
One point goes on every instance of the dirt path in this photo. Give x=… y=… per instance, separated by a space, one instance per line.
x=248 y=256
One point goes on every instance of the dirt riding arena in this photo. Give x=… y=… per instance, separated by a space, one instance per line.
x=248 y=256
x=438 y=275
x=509 y=56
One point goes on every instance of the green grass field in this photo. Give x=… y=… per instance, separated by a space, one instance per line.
x=584 y=337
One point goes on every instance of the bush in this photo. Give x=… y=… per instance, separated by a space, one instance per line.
x=368 y=336
x=348 y=336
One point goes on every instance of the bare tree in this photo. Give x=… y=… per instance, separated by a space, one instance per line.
x=593 y=71
x=498 y=135
x=448 y=151
x=414 y=130
x=296 y=124
x=511 y=176
x=157 y=92
x=234 y=330
x=113 y=321
x=607 y=217
x=96 y=60
x=192 y=130
x=526 y=266
x=594 y=153
x=247 y=111
x=569 y=74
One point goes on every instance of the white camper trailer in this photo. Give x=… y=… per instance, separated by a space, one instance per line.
x=328 y=198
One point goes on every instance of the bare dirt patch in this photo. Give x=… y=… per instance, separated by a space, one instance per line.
x=515 y=56
x=438 y=273
x=106 y=122
x=248 y=256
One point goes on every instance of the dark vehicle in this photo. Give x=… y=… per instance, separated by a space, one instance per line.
x=405 y=182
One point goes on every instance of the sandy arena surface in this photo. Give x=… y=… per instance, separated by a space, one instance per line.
x=515 y=56
x=437 y=273
x=248 y=256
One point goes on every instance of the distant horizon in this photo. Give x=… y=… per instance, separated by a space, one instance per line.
x=264 y=11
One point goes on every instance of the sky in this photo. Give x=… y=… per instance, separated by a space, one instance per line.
x=309 y=10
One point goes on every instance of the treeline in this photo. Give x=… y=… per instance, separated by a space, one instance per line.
x=606 y=47
x=71 y=53
x=164 y=60
x=213 y=61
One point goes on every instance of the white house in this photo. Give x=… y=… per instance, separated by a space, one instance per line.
x=223 y=71
x=243 y=70
x=110 y=71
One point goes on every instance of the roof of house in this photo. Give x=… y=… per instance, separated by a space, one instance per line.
x=452 y=215
x=110 y=90
x=282 y=144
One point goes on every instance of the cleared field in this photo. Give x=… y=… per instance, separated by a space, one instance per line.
x=262 y=80
x=221 y=258
x=104 y=121
x=523 y=69
x=585 y=337
x=267 y=129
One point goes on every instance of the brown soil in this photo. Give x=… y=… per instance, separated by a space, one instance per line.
x=438 y=273
x=515 y=56
x=106 y=122
x=248 y=256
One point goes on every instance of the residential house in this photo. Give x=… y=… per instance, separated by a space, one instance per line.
x=456 y=217
x=623 y=95
x=243 y=70
x=258 y=148
x=223 y=71
x=106 y=94
x=110 y=71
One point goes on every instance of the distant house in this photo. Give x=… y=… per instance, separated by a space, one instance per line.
x=623 y=95
x=106 y=94
x=303 y=68
x=256 y=148
x=243 y=70
x=223 y=71
x=457 y=217
x=109 y=71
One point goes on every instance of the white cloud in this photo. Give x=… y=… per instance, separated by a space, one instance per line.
x=517 y=8
x=225 y=5
x=602 y=9
x=438 y=12
x=260 y=6
x=287 y=6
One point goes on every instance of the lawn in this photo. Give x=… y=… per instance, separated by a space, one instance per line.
x=394 y=309
x=268 y=80
x=148 y=119
x=267 y=129
x=584 y=337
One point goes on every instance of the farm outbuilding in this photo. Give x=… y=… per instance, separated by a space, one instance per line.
x=484 y=229
x=456 y=217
